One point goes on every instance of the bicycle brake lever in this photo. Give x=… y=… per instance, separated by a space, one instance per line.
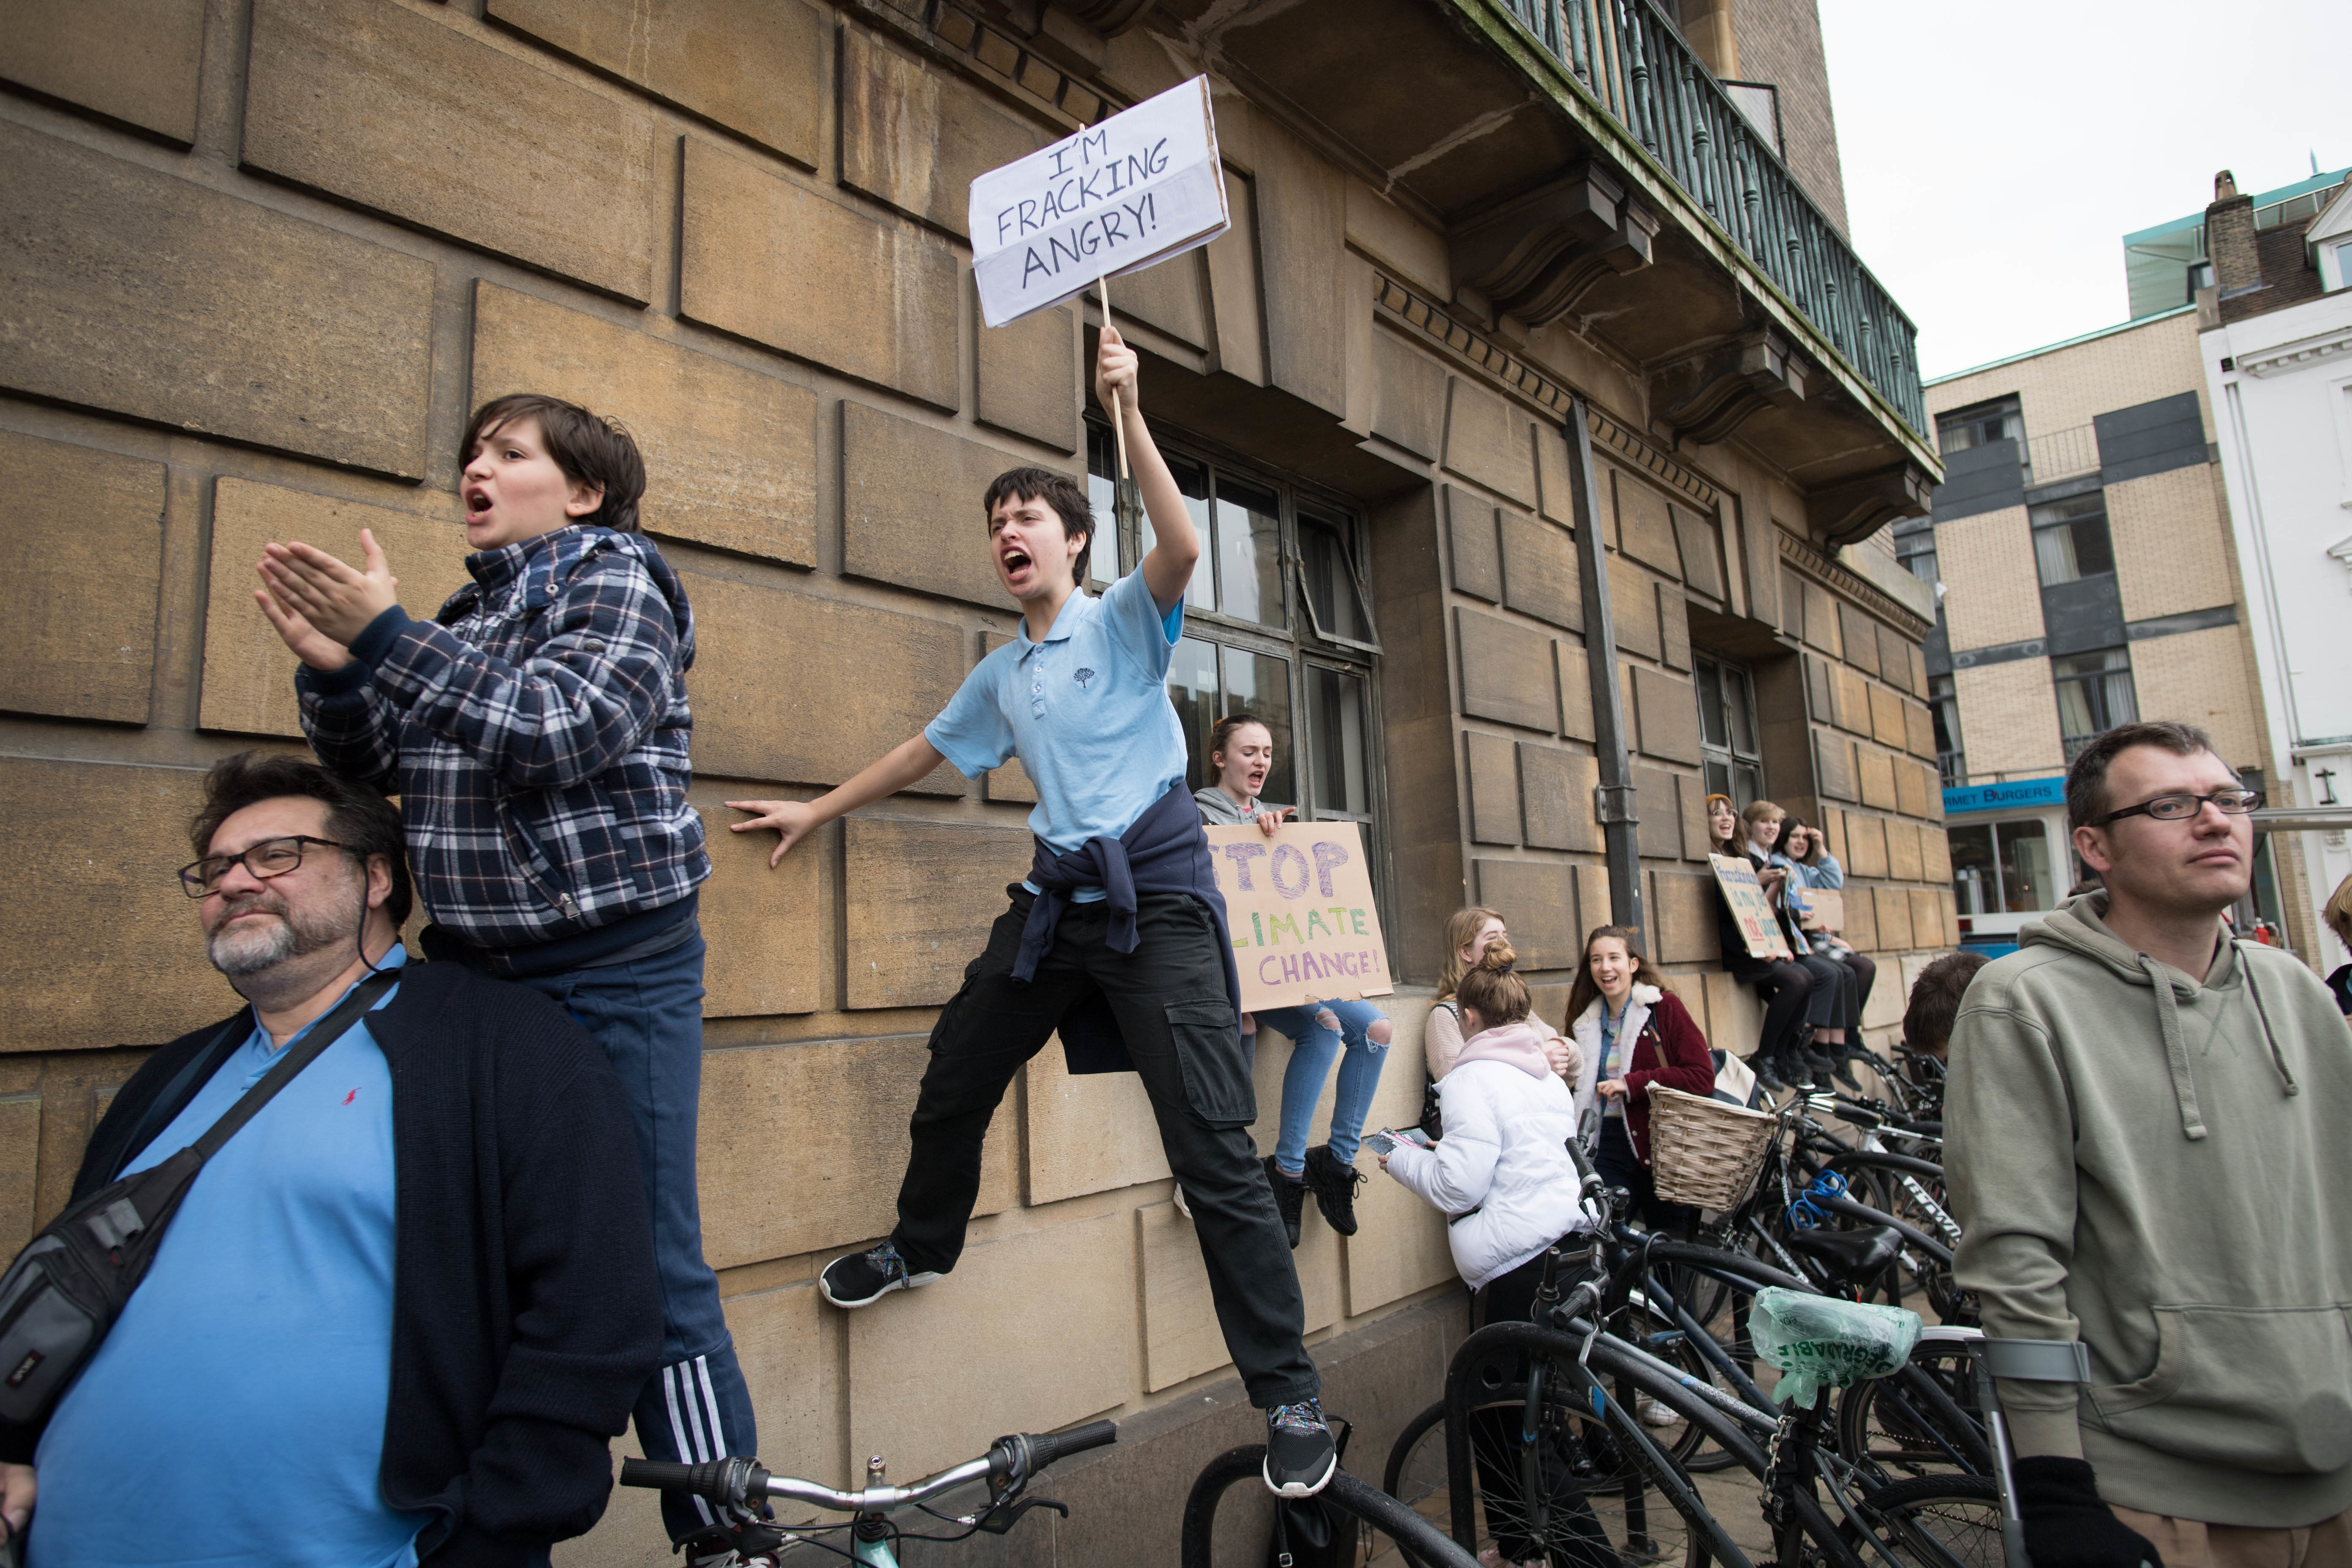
x=997 y=1521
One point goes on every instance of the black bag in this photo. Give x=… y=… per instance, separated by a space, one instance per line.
x=1312 y=1533
x=1432 y=1119
x=65 y=1290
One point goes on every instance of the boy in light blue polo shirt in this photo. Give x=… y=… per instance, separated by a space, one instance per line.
x=1117 y=923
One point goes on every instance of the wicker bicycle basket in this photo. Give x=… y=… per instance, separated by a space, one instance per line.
x=1705 y=1153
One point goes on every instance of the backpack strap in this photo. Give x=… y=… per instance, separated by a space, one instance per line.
x=325 y=1033
x=196 y=1071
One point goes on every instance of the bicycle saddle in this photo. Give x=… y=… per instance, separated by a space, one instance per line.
x=1848 y=1254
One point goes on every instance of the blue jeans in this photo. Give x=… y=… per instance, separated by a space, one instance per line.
x=1313 y=1045
x=647 y=1015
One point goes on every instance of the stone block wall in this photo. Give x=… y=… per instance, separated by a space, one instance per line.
x=262 y=262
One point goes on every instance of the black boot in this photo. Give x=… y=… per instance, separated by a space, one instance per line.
x=1334 y=1186
x=1766 y=1066
x=1289 y=1196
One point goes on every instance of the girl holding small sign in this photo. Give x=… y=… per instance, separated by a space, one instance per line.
x=1806 y=854
x=1241 y=754
x=1832 y=998
x=1786 y=984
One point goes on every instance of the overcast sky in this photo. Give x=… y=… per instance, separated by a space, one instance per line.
x=1996 y=153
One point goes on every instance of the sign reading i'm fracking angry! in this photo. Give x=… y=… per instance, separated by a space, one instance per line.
x=1299 y=906
x=1127 y=193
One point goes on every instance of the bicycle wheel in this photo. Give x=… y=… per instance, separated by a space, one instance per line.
x=1935 y=1521
x=1922 y=1421
x=1416 y=1473
x=1237 y=1534
x=1550 y=1477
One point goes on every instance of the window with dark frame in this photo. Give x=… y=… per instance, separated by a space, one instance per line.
x=1730 y=755
x=1980 y=425
x=2095 y=695
x=1276 y=624
x=1944 y=708
x=2070 y=539
x=1916 y=552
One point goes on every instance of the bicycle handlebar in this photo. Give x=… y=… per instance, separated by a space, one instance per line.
x=1049 y=1447
x=735 y=1483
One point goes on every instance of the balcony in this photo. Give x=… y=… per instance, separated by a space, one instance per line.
x=1636 y=67
x=1593 y=181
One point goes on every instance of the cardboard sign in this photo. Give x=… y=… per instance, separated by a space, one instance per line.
x=1749 y=906
x=1127 y=193
x=1821 y=909
x=1299 y=906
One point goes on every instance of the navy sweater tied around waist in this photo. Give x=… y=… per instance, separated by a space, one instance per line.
x=1162 y=851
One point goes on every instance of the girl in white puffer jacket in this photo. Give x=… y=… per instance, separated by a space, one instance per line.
x=1502 y=1171
x=1504 y=1175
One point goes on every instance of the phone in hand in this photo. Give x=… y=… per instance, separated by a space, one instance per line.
x=1386 y=1140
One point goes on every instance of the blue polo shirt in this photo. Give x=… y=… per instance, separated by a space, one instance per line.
x=236 y=1413
x=1086 y=711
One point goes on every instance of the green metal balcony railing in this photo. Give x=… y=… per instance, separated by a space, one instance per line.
x=1640 y=72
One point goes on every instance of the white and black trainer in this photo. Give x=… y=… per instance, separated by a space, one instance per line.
x=1300 y=1457
x=862 y=1278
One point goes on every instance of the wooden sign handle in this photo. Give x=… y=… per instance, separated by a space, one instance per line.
x=1117 y=418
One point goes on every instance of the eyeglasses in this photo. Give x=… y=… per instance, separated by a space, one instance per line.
x=270 y=858
x=2173 y=808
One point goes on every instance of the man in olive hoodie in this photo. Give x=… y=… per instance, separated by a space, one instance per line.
x=2147 y=1153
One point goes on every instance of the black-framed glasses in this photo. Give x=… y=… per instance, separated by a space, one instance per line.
x=270 y=858
x=2173 y=808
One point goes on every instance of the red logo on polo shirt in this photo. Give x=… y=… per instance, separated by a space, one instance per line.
x=349 y=1097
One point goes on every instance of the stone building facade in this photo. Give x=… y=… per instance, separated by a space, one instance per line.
x=262 y=259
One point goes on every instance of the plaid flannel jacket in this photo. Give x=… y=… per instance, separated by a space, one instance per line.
x=536 y=732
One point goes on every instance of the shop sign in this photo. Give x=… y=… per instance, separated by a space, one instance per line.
x=1299 y=906
x=2015 y=795
x=1121 y=196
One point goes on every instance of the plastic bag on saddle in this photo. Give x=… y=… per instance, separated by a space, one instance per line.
x=1819 y=1341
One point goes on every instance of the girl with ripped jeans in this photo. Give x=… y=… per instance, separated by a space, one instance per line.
x=1241 y=754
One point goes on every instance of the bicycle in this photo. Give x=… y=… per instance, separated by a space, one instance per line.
x=1536 y=1442
x=741 y=1488
x=1375 y=1513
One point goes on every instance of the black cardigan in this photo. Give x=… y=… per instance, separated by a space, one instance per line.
x=525 y=1313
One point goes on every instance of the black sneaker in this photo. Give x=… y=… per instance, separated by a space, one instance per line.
x=1289 y=1196
x=1334 y=1186
x=862 y=1278
x=1299 y=1454
x=1768 y=1072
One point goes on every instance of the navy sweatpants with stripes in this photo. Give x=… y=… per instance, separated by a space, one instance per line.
x=647 y=1015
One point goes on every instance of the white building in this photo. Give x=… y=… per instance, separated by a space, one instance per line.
x=2278 y=361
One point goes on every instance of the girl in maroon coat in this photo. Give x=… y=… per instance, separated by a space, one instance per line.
x=1641 y=1034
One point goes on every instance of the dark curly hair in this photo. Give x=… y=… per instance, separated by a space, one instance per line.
x=363 y=821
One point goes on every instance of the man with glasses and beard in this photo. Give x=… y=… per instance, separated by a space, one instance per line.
x=312 y=1373
x=2146 y=1158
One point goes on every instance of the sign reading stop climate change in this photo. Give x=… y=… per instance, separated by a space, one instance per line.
x=1127 y=193
x=1299 y=906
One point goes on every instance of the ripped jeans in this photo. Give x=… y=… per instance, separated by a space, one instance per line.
x=1313 y=1045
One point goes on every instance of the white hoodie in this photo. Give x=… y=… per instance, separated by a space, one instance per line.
x=1504 y=1154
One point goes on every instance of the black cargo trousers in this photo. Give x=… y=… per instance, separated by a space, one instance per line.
x=1169 y=996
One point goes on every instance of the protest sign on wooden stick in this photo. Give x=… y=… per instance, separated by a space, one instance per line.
x=1127 y=193
x=1300 y=908
x=1749 y=906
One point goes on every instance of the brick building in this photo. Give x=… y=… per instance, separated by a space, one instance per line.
x=1494 y=304
x=2081 y=542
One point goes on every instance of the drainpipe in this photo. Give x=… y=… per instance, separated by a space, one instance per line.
x=1613 y=797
